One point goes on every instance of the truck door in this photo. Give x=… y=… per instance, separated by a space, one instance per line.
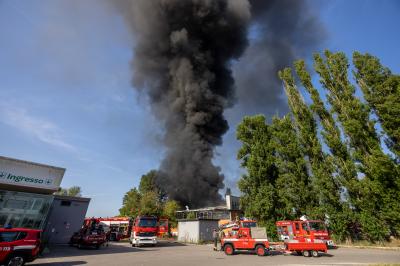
x=243 y=237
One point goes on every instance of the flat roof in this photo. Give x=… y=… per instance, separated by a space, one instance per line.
x=32 y=163
x=64 y=197
x=197 y=219
x=216 y=208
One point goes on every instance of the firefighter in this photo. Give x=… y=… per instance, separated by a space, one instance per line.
x=215 y=237
x=221 y=235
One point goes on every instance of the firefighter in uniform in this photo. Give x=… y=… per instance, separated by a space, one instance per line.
x=215 y=237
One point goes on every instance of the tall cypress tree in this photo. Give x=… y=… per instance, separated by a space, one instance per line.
x=381 y=90
x=325 y=186
x=379 y=206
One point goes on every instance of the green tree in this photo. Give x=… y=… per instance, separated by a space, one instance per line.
x=381 y=90
x=131 y=203
x=147 y=182
x=379 y=204
x=293 y=184
x=73 y=191
x=324 y=185
x=259 y=196
x=345 y=170
x=169 y=211
x=150 y=204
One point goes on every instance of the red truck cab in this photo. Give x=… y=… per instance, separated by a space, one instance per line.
x=244 y=239
x=19 y=245
x=145 y=230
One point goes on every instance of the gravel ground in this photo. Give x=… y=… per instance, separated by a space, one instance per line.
x=175 y=254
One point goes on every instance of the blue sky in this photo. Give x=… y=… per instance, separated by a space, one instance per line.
x=66 y=98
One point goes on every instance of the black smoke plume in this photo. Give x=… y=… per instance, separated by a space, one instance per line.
x=281 y=32
x=182 y=60
x=184 y=50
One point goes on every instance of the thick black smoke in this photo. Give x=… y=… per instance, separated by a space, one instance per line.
x=183 y=55
x=182 y=60
x=281 y=32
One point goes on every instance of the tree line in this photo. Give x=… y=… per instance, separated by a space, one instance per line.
x=333 y=157
x=149 y=199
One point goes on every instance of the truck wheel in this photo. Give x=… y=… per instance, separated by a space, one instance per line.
x=306 y=253
x=260 y=250
x=97 y=246
x=314 y=253
x=228 y=249
x=15 y=260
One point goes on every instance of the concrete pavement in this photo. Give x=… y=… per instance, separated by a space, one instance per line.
x=175 y=254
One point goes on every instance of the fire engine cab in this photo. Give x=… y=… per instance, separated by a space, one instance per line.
x=304 y=229
x=145 y=229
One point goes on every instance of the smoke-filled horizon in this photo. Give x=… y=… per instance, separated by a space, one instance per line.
x=183 y=58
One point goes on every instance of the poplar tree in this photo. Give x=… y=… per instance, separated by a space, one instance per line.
x=293 y=185
x=345 y=169
x=379 y=213
x=257 y=157
x=325 y=187
x=381 y=90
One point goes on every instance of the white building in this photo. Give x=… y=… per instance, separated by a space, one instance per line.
x=27 y=200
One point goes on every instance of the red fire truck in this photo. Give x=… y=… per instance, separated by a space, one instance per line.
x=304 y=229
x=117 y=228
x=91 y=234
x=254 y=239
x=145 y=230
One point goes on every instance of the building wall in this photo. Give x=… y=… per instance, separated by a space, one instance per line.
x=66 y=217
x=206 y=228
x=195 y=231
x=188 y=231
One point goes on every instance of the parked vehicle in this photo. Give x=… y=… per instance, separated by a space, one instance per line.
x=306 y=247
x=145 y=229
x=91 y=235
x=19 y=245
x=116 y=228
x=246 y=239
x=254 y=239
x=304 y=229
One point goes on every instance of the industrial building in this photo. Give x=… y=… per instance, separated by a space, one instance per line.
x=196 y=230
x=65 y=217
x=196 y=225
x=27 y=199
x=230 y=211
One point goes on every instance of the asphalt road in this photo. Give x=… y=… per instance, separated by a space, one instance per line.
x=175 y=254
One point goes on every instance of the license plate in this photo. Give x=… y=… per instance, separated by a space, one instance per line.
x=94 y=242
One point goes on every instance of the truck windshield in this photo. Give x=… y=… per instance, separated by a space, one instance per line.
x=147 y=222
x=249 y=224
x=317 y=226
x=163 y=223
